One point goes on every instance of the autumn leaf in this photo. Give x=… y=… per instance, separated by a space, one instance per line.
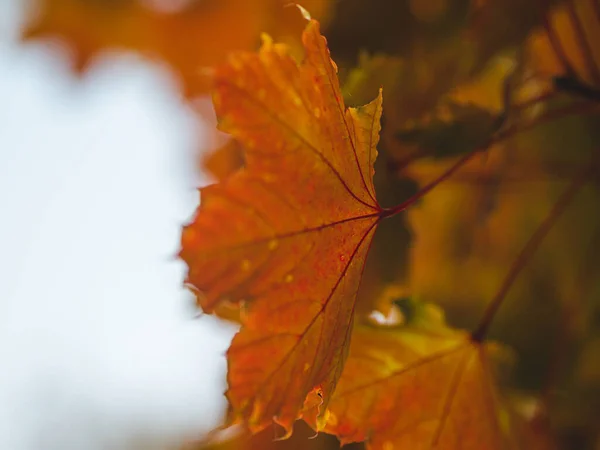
x=447 y=117
x=491 y=135
x=406 y=81
x=190 y=38
x=288 y=233
x=422 y=385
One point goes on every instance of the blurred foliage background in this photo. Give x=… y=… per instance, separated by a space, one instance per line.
x=514 y=83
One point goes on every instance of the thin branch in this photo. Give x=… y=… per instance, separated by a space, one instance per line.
x=499 y=123
x=577 y=108
x=388 y=212
x=527 y=252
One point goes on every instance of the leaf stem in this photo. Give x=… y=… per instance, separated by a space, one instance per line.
x=388 y=212
x=527 y=252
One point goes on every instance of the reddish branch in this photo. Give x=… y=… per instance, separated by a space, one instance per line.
x=571 y=109
x=527 y=252
x=426 y=189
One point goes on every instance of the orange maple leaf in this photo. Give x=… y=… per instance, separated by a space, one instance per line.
x=289 y=232
x=421 y=386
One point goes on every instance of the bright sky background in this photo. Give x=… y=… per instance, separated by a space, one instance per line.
x=98 y=344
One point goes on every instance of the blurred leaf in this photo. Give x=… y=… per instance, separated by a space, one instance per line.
x=469 y=230
x=392 y=27
x=191 y=38
x=419 y=385
x=495 y=25
x=466 y=128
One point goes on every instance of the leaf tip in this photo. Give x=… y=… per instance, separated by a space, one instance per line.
x=302 y=10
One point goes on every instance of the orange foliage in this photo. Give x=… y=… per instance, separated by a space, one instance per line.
x=418 y=386
x=190 y=39
x=501 y=98
x=304 y=205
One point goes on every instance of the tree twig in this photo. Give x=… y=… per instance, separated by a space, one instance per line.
x=527 y=252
